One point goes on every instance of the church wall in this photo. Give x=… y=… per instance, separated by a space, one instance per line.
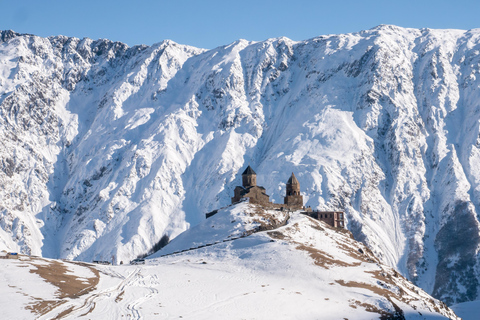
x=296 y=201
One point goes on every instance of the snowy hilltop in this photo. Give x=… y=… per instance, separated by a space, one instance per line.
x=246 y=262
x=106 y=149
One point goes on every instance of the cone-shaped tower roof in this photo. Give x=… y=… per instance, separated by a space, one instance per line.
x=249 y=170
x=293 y=180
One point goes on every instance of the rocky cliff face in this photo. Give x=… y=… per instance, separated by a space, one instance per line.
x=106 y=149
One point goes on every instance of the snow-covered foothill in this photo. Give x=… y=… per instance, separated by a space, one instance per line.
x=298 y=268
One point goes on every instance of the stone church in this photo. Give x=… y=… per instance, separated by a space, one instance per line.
x=256 y=194
x=250 y=190
x=293 y=199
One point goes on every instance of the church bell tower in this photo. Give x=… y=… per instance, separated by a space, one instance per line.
x=293 y=196
x=249 y=178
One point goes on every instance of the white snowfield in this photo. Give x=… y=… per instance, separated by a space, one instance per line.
x=302 y=270
x=467 y=310
x=108 y=149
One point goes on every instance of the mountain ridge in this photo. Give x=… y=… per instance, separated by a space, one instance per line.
x=109 y=147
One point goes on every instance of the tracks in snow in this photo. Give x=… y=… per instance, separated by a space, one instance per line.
x=115 y=293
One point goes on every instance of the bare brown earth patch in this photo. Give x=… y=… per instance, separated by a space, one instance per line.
x=366 y=256
x=371 y=308
x=355 y=284
x=383 y=276
x=389 y=283
x=317 y=227
x=320 y=258
x=119 y=297
x=321 y=226
x=68 y=285
x=63 y=313
x=389 y=279
x=42 y=307
x=276 y=235
x=268 y=220
x=323 y=259
x=388 y=295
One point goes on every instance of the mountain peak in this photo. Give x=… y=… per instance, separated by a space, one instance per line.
x=109 y=149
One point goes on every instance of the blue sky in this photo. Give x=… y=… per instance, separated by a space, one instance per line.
x=211 y=23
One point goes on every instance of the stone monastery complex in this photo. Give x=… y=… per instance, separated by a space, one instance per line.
x=293 y=199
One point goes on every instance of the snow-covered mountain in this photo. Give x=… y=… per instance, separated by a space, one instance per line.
x=106 y=149
x=246 y=262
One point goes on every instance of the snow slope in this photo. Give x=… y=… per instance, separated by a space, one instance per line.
x=296 y=268
x=106 y=149
x=467 y=310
